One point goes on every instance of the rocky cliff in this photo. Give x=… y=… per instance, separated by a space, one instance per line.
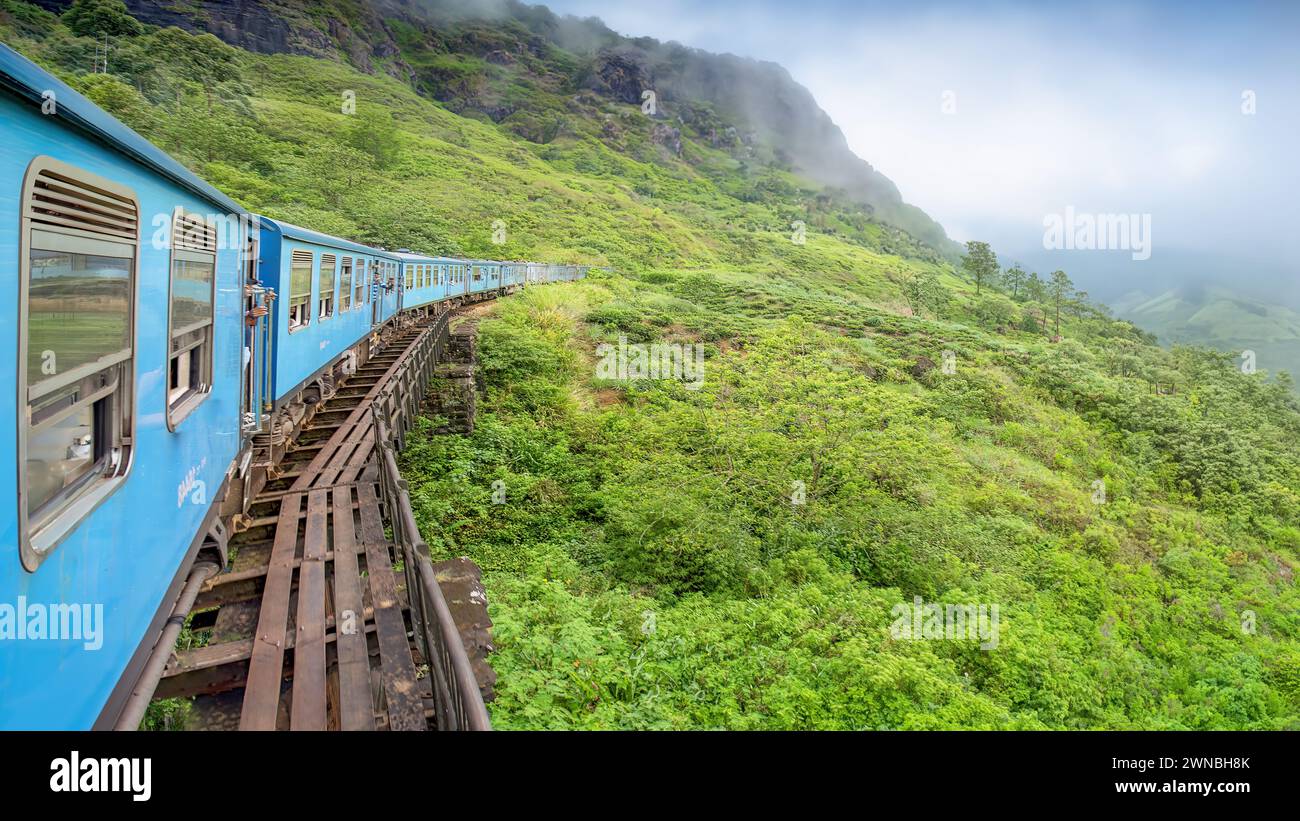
x=485 y=55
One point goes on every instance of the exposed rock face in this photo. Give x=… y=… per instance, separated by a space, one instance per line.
x=620 y=76
x=248 y=24
x=668 y=137
x=924 y=365
x=753 y=108
x=259 y=26
x=358 y=50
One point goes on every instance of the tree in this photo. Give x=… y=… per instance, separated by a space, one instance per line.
x=1035 y=289
x=995 y=312
x=1060 y=288
x=1079 y=305
x=199 y=58
x=923 y=290
x=1035 y=293
x=980 y=262
x=374 y=132
x=94 y=18
x=1013 y=279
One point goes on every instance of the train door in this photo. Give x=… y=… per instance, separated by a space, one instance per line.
x=406 y=271
x=376 y=290
x=256 y=332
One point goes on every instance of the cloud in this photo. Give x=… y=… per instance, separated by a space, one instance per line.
x=1107 y=107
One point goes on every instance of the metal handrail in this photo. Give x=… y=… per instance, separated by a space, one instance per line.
x=458 y=703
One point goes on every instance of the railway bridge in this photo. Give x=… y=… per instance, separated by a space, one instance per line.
x=330 y=615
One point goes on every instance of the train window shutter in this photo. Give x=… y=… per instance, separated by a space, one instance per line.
x=345 y=284
x=78 y=247
x=63 y=201
x=191 y=314
x=190 y=232
x=327 y=263
x=300 y=265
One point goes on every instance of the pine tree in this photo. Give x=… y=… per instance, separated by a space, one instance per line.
x=1013 y=279
x=1060 y=289
x=980 y=262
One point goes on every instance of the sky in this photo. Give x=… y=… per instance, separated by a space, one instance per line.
x=991 y=117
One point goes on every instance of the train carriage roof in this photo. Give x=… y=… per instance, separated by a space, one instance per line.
x=406 y=256
x=30 y=82
x=317 y=238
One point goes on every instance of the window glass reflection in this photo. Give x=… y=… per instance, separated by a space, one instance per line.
x=191 y=293
x=58 y=455
x=78 y=310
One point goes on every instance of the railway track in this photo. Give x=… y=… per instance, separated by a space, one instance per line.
x=311 y=626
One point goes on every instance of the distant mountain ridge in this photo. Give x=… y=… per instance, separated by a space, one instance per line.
x=483 y=55
x=1215 y=316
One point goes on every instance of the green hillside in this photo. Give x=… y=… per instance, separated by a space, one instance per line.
x=1218 y=318
x=731 y=556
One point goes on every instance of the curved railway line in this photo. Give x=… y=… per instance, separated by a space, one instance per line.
x=329 y=616
x=194 y=380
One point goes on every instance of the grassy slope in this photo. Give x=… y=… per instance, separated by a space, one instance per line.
x=630 y=500
x=1220 y=319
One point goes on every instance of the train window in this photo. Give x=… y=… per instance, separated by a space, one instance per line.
x=359 y=295
x=478 y=273
x=410 y=271
x=345 y=284
x=190 y=316
x=77 y=276
x=300 y=290
x=327 y=273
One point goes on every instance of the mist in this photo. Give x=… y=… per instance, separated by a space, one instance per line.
x=992 y=119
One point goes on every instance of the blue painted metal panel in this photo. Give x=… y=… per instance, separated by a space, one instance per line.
x=440 y=287
x=123 y=556
x=300 y=354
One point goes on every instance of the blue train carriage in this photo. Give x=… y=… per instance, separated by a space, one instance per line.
x=508 y=277
x=492 y=277
x=129 y=396
x=430 y=284
x=513 y=276
x=478 y=279
x=333 y=298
